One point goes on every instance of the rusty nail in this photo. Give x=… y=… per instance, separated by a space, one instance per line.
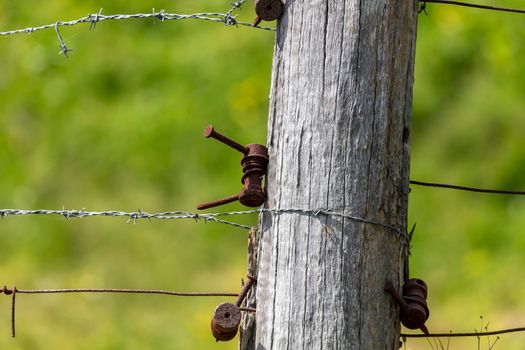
x=244 y=290
x=254 y=165
x=225 y=321
x=218 y=202
x=210 y=132
x=389 y=287
x=256 y=21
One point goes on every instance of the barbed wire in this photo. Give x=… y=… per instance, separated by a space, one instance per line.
x=479 y=6
x=228 y=19
x=212 y=217
x=236 y=5
x=132 y=216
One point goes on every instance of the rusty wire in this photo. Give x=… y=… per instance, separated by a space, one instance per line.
x=14 y=291
x=478 y=6
x=465 y=188
x=462 y=335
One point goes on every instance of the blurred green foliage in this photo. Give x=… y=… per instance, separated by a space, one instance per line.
x=118 y=126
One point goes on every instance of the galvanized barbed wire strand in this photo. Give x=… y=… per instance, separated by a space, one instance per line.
x=95 y=18
x=132 y=216
x=213 y=217
x=479 y=6
x=465 y=188
x=317 y=212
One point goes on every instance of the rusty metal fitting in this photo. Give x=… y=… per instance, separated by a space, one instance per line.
x=254 y=165
x=225 y=322
x=413 y=303
x=267 y=10
x=416 y=312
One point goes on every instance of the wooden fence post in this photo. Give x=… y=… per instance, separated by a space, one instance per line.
x=338 y=138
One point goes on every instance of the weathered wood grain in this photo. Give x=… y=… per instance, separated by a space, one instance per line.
x=247 y=327
x=338 y=138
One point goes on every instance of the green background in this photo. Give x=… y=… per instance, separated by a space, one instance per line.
x=118 y=125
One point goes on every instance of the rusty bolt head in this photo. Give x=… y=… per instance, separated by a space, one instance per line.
x=268 y=10
x=225 y=322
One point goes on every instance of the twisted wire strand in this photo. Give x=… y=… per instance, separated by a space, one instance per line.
x=132 y=216
x=211 y=217
x=95 y=18
x=235 y=6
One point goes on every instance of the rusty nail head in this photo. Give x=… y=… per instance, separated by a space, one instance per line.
x=210 y=132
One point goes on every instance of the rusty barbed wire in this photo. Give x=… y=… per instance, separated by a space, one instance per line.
x=228 y=19
x=478 y=6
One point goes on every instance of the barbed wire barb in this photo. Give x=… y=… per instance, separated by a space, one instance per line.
x=229 y=19
x=94 y=19
x=63 y=48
